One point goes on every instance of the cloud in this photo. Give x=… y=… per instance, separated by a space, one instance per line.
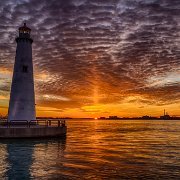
x=114 y=46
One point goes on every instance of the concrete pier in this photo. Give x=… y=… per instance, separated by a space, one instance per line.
x=32 y=129
x=32 y=132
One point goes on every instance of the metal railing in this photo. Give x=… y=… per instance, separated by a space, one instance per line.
x=34 y=123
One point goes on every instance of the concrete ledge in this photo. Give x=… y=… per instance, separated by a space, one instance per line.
x=36 y=131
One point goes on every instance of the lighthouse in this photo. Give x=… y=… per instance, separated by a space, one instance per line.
x=22 y=97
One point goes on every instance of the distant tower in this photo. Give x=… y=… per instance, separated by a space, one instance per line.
x=22 y=98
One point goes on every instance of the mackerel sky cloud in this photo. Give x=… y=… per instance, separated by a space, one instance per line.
x=96 y=52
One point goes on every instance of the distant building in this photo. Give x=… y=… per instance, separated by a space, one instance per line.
x=165 y=116
x=113 y=117
x=146 y=117
x=102 y=118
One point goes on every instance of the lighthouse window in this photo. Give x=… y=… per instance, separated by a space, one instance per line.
x=25 y=69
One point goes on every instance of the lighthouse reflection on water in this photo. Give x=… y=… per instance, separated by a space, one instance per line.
x=24 y=157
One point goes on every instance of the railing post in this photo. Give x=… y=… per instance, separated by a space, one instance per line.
x=59 y=123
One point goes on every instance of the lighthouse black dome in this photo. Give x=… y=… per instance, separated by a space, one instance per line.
x=24 y=34
x=24 y=28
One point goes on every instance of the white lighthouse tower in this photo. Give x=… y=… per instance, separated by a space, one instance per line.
x=22 y=98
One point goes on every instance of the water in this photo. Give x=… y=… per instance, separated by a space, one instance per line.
x=95 y=149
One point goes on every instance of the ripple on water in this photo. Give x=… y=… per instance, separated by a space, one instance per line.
x=98 y=150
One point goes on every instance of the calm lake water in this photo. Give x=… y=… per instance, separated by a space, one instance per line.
x=96 y=149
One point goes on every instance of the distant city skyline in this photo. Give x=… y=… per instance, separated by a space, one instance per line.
x=96 y=58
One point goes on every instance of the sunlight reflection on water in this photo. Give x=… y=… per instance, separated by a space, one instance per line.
x=95 y=149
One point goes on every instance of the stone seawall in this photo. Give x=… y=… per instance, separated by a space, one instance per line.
x=39 y=131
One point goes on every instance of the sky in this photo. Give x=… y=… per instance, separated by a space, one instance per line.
x=96 y=57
